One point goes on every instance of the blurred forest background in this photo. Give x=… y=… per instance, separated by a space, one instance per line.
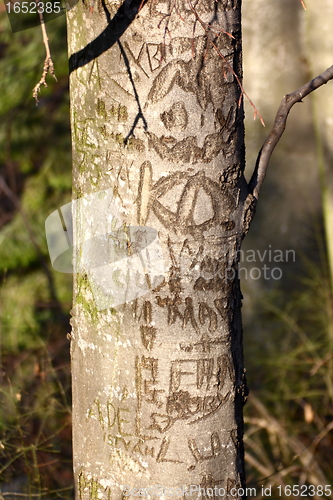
x=288 y=322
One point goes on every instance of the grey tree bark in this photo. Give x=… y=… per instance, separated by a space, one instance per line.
x=158 y=160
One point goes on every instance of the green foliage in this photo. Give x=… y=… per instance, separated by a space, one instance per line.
x=290 y=411
x=35 y=170
x=288 y=346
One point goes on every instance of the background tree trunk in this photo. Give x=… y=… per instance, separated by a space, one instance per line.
x=157 y=130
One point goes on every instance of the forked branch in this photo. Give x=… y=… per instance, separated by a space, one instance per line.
x=48 y=63
x=279 y=126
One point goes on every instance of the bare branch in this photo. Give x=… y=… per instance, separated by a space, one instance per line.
x=279 y=126
x=48 y=63
x=209 y=29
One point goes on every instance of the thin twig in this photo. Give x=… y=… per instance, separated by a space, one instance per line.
x=42 y=493
x=167 y=17
x=279 y=126
x=207 y=26
x=240 y=85
x=48 y=63
x=209 y=29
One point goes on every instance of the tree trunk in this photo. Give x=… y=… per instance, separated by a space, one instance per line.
x=158 y=160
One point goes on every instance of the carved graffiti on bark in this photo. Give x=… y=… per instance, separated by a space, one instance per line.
x=182 y=219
